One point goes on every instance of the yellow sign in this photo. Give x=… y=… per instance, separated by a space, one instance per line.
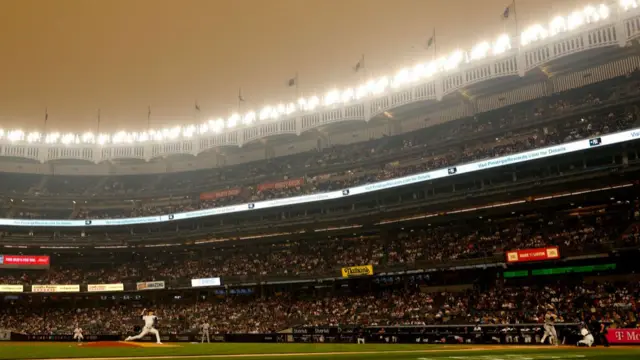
x=54 y=288
x=11 y=288
x=363 y=270
x=105 y=287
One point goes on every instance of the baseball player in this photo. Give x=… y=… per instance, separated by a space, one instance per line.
x=205 y=332
x=587 y=338
x=149 y=327
x=77 y=334
x=549 y=328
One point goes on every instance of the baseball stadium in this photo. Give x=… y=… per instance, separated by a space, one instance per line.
x=480 y=205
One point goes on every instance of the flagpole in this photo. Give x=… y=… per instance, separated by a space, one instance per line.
x=46 y=118
x=366 y=69
x=435 y=45
x=515 y=17
x=239 y=99
x=149 y=119
x=98 y=130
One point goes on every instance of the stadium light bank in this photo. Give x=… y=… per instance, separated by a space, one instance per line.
x=373 y=88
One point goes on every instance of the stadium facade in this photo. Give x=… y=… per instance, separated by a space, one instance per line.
x=547 y=198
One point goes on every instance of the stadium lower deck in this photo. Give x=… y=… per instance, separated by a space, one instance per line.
x=120 y=351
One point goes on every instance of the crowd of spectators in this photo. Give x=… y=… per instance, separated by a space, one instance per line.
x=421 y=246
x=501 y=304
x=424 y=160
x=497 y=133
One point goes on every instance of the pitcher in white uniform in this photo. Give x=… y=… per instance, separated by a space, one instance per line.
x=149 y=327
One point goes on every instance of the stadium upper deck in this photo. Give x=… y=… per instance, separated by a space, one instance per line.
x=603 y=31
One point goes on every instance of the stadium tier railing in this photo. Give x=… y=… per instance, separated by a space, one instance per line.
x=531 y=155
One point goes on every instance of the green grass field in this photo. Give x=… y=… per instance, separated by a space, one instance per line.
x=34 y=350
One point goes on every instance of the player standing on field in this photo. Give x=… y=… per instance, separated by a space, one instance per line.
x=149 y=327
x=205 y=331
x=77 y=334
x=549 y=328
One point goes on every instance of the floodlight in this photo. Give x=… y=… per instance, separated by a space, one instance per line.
x=88 y=138
x=290 y=108
x=249 y=118
x=453 y=60
x=15 y=135
x=232 y=121
x=418 y=72
x=534 y=33
x=331 y=97
x=313 y=102
x=68 y=139
x=501 y=45
x=103 y=139
x=218 y=125
x=557 y=25
x=479 y=51
x=380 y=86
x=575 y=20
x=347 y=95
x=604 y=11
x=401 y=78
x=361 y=91
x=628 y=4
x=33 y=137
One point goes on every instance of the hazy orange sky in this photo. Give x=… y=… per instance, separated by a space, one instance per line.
x=74 y=57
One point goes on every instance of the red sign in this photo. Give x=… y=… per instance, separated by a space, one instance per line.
x=25 y=260
x=539 y=254
x=219 y=194
x=623 y=336
x=281 y=184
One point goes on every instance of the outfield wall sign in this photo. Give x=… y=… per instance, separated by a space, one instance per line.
x=354 y=271
x=24 y=262
x=55 y=288
x=105 y=287
x=150 y=285
x=467 y=168
x=539 y=254
x=205 y=282
x=623 y=336
x=11 y=288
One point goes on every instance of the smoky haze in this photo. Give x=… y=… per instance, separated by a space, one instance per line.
x=73 y=57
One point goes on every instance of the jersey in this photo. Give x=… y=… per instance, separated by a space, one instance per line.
x=77 y=331
x=550 y=319
x=149 y=320
x=584 y=332
x=205 y=327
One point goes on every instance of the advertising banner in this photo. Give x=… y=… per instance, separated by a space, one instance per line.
x=281 y=184
x=105 y=287
x=55 y=288
x=539 y=254
x=24 y=262
x=623 y=336
x=205 y=282
x=363 y=270
x=150 y=285
x=213 y=195
x=11 y=288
